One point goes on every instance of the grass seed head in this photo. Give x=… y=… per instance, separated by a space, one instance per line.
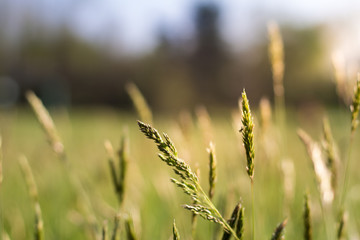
x=233 y=222
x=47 y=123
x=248 y=134
x=355 y=106
x=140 y=104
x=278 y=233
x=276 y=53
x=212 y=172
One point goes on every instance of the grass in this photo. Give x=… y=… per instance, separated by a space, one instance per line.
x=97 y=193
x=151 y=199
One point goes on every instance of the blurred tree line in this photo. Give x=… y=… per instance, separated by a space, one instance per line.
x=66 y=69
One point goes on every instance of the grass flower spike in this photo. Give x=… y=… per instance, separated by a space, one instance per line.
x=47 y=123
x=355 y=106
x=248 y=135
x=212 y=172
x=188 y=181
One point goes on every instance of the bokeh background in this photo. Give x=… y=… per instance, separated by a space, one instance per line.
x=180 y=53
x=78 y=57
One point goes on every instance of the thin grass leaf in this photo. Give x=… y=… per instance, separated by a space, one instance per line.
x=33 y=193
x=116 y=227
x=104 y=231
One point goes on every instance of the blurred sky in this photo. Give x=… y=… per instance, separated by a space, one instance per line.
x=132 y=26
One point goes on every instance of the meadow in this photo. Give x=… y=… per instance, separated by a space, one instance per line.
x=93 y=174
x=150 y=198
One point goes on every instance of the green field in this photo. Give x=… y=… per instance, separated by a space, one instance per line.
x=151 y=199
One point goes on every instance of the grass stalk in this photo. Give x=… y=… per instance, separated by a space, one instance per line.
x=1 y=162
x=116 y=227
x=56 y=144
x=33 y=193
x=252 y=210
x=176 y=235
x=355 y=107
x=104 y=231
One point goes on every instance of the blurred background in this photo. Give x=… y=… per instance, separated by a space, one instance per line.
x=180 y=53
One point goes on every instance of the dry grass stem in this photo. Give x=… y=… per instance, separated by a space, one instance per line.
x=322 y=173
x=140 y=104
x=47 y=123
x=33 y=193
x=176 y=235
x=278 y=233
